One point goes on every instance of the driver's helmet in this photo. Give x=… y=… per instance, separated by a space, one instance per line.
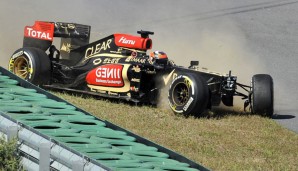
x=158 y=55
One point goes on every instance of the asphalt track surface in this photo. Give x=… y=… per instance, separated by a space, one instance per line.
x=247 y=37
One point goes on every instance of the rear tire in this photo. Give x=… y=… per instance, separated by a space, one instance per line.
x=188 y=94
x=262 y=97
x=31 y=64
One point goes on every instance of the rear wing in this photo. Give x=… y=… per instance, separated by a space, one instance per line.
x=42 y=33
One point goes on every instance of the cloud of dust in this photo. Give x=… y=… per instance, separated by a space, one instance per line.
x=219 y=46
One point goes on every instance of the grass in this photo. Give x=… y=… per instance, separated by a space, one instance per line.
x=9 y=161
x=221 y=141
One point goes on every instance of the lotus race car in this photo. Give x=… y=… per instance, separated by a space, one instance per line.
x=118 y=66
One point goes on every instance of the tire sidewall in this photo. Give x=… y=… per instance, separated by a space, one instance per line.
x=38 y=63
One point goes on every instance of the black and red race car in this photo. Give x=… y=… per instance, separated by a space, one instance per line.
x=118 y=66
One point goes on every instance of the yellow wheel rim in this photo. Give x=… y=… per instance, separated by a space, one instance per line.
x=21 y=67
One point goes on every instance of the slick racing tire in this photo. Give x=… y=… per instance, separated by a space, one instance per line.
x=188 y=94
x=262 y=96
x=31 y=64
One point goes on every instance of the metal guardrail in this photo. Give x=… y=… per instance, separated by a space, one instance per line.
x=55 y=135
x=40 y=152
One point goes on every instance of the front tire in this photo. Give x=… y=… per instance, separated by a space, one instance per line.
x=262 y=96
x=31 y=64
x=188 y=94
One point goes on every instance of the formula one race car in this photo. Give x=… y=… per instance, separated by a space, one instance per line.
x=118 y=66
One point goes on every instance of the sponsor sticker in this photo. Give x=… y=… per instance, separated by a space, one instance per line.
x=137 y=80
x=136 y=68
x=97 y=48
x=134 y=42
x=40 y=30
x=20 y=53
x=136 y=60
x=188 y=104
x=106 y=75
x=124 y=40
